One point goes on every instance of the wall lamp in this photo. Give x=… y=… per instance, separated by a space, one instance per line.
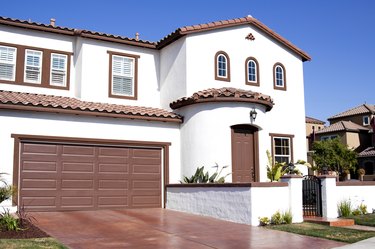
x=253 y=114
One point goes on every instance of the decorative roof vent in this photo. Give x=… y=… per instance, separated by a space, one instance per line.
x=137 y=36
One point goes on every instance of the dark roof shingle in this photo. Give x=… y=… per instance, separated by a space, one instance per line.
x=362 y=109
x=342 y=126
x=311 y=120
x=369 y=152
x=225 y=94
x=51 y=103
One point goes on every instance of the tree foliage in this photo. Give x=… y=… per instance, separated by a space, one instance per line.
x=335 y=155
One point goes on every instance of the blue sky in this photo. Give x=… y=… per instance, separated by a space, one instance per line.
x=339 y=35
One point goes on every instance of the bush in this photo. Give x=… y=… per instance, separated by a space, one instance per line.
x=264 y=221
x=287 y=217
x=363 y=208
x=8 y=221
x=277 y=219
x=201 y=177
x=344 y=208
x=356 y=212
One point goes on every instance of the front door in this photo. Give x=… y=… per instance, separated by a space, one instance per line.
x=244 y=153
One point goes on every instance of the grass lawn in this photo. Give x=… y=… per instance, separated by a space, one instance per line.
x=45 y=243
x=326 y=232
x=365 y=220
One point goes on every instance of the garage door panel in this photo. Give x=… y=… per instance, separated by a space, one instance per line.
x=74 y=177
x=82 y=167
x=124 y=168
x=113 y=184
x=32 y=148
x=77 y=184
x=78 y=150
x=39 y=166
x=39 y=183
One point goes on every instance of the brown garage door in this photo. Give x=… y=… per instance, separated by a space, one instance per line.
x=84 y=177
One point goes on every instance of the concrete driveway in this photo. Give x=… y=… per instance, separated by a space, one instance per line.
x=161 y=228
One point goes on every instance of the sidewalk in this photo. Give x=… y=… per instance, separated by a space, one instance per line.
x=363 y=244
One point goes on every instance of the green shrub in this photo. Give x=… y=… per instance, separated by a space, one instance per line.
x=344 y=208
x=276 y=218
x=363 y=208
x=264 y=221
x=8 y=221
x=287 y=217
x=201 y=177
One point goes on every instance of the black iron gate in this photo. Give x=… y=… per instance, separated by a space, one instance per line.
x=312 y=196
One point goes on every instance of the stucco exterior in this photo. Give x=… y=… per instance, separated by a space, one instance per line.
x=177 y=67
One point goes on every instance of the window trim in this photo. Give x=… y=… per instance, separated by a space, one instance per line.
x=217 y=77
x=252 y=83
x=45 y=74
x=363 y=120
x=277 y=135
x=39 y=81
x=283 y=88
x=133 y=56
x=14 y=63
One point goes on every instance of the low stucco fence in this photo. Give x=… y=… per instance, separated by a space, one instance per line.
x=241 y=203
x=356 y=191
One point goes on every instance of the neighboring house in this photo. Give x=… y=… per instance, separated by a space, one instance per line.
x=355 y=128
x=312 y=126
x=93 y=120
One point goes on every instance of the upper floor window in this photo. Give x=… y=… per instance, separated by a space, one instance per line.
x=252 y=71
x=7 y=63
x=36 y=67
x=33 y=66
x=58 y=69
x=282 y=148
x=329 y=137
x=123 y=75
x=366 y=120
x=279 y=77
x=222 y=66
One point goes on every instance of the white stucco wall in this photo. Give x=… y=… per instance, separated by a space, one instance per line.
x=357 y=195
x=238 y=204
x=32 y=123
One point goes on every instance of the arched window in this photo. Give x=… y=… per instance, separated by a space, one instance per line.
x=279 y=77
x=252 y=71
x=222 y=66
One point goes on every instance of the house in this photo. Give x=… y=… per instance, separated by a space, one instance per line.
x=355 y=128
x=93 y=120
x=312 y=126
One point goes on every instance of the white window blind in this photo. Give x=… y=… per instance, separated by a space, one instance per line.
x=7 y=63
x=33 y=66
x=122 y=75
x=58 y=69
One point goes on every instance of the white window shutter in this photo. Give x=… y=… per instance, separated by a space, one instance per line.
x=33 y=66
x=7 y=63
x=58 y=74
x=122 y=76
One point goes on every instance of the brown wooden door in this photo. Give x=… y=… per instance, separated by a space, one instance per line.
x=57 y=177
x=244 y=154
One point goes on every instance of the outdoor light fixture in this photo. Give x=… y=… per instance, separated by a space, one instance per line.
x=291 y=167
x=253 y=114
x=325 y=170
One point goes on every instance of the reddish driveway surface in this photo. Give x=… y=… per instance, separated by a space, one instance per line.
x=160 y=228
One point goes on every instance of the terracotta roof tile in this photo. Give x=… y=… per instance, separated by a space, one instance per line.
x=369 y=152
x=342 y=126
x=225 y=94
x=313 y=120
x=229 y=23
x=362 y=109
x=50 y=103
x=157 y=45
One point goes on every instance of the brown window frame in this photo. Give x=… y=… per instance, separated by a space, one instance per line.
x=283 y=88
x=133 y=56
x=45 y=68
x=252 y=83
x=217 y=77
x=277 y=135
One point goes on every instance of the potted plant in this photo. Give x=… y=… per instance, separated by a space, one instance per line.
x=361 y=172
x=346 y=174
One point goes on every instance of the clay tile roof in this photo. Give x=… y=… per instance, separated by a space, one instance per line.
x=342 y=126
x=77 y=32
x=369 y=152
x=362 y=109
x=58 y=104
x=311 y=120
x=230 y=23
x=225 y=94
